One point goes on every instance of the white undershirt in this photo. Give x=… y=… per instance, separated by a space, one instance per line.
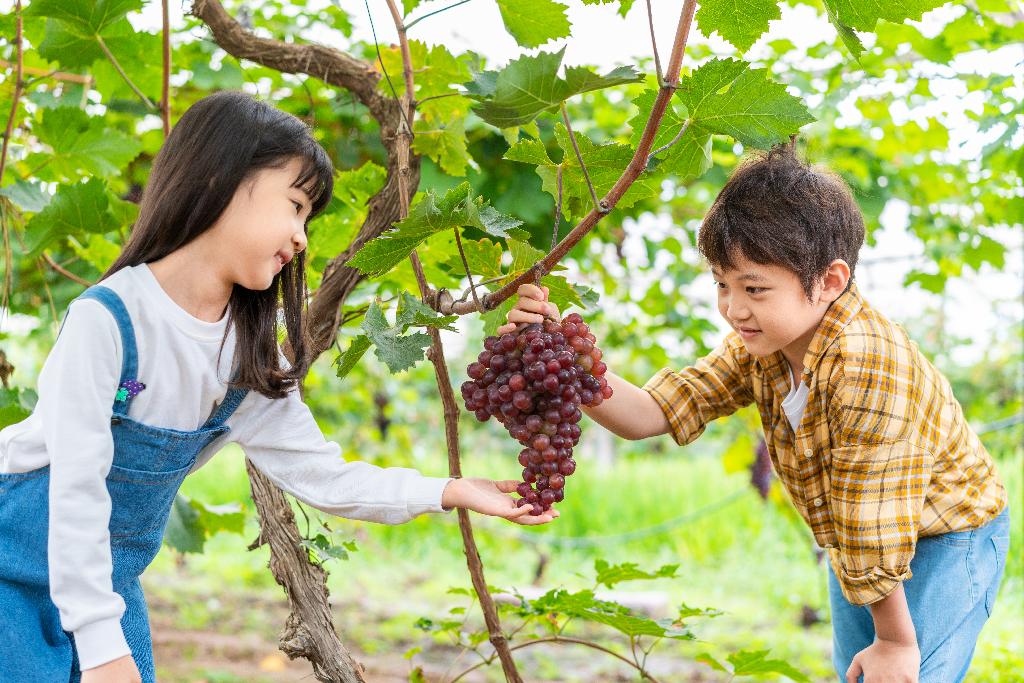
x=69 y=430
x=796 y=401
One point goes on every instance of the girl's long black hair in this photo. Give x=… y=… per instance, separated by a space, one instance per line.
x=219 y=143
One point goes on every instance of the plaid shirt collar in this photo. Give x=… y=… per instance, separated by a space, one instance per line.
x=837 y=317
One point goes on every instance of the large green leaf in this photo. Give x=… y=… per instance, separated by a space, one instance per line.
x=430 y=215
x=534 y=22
x=850 y=15
x=864 y=15
x=689 y=157
x=86 y=17
x=584 y=605
x=192 y=522
x=333 y=231
x=399 y=352
x=755 y=664
x=741 y=22
x=611 y=574
x=15 y=405
x=605 y=164
x=726 y=96
x=414 y=313
x=74 y=210
x=72 y=39
x=346 y=361
x=444 y=144
x=531 y=85
x=82 y=145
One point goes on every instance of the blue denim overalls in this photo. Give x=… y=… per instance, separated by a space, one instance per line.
x=149 y=465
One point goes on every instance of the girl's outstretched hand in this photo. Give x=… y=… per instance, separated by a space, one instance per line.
x=491 y=498
x=532 y=306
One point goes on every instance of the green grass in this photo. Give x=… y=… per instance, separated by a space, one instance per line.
x=751 y=558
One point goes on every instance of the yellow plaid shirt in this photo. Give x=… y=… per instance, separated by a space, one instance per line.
x=882 y=456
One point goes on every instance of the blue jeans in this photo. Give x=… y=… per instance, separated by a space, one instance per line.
x=951 y=593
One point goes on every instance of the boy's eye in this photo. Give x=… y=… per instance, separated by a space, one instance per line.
x=720 y=285
x=756 y=290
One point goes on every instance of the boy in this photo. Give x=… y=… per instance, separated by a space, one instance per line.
x=863 y=432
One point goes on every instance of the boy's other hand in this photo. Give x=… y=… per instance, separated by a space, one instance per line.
x=886 y=661
x=532 y=306
x=490 y=498
x=120 y=670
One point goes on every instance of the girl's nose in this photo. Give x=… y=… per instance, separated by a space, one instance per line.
x=299 y=240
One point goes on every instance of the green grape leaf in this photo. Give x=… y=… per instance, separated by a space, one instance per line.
x=483 y=257
x=399 y=352
x=530 y=85
x=563 y=293
x=534 y=22
x=334 y=230
x=82 y=145
x=584 y=605
x=611 y=574
x=15 y=405
x=726 y=96
x=445 y=145
x=184 y=531
x=438 y=72
x=414 y=313
x=846 y=33
x=689 y=157
x=741 y=22
x=751 y=663
x=85 y=17
x=74 y=210
x=98 y=251
x=430 y=215
x=27 y=195
x=346 y=361
x=133 y=53
x=863 y=16
x=605 y=164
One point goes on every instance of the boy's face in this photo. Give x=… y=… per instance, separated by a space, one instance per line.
x=769 y=309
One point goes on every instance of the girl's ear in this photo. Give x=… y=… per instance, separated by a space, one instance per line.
x=836 y=278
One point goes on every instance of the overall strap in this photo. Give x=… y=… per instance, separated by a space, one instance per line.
x=129 y=352
x=228 y=406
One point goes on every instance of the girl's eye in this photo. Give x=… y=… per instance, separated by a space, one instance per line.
x=298 y=206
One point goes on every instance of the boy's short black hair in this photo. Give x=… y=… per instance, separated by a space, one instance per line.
x=777 y=210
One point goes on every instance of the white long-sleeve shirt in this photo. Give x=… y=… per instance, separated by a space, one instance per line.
x=69 y=430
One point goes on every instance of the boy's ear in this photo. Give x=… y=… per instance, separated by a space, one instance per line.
x=836 y=278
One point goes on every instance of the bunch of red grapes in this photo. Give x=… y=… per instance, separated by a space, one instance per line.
x=534 y=382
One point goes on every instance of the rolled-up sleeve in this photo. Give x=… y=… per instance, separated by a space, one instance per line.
x=877 y=495
x=715 y=386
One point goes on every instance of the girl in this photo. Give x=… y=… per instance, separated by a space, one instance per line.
x=169 y=358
